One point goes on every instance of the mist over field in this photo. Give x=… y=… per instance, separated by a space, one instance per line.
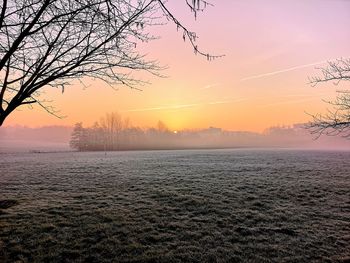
x=248 y=204
x=48 y=138
x=56 y=138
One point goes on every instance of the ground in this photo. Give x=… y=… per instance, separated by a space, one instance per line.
x=180 y=206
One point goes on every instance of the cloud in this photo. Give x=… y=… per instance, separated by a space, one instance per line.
x=226 y=101
x=298 y=101
x=219 y=102
x=172 y=107
x=210 y=86
x=184 y=106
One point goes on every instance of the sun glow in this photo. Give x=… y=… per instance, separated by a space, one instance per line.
x=274 y=61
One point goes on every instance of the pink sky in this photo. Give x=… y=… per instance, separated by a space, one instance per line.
x=270 y=47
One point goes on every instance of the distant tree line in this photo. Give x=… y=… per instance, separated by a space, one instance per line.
x=113 y=133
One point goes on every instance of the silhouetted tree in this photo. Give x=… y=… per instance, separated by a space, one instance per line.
x=337 y=119
x=162 y=127
x=79 y=140
x=95 y=140
x=112 y=125
x=47 y=43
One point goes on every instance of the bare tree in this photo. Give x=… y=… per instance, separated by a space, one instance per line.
x=78 y=139
x=337 y=119
x=112 y=126
x=48 y=43
x=162 y=127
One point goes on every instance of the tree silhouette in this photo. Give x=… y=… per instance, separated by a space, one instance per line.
x=337 y=119
x=47 y=43
x=79 y=140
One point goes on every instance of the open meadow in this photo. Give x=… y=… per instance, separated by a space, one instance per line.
x=175 y=206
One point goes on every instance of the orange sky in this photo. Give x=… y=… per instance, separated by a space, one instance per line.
x=257 y=37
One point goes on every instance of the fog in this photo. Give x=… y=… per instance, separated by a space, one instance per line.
x=57 y=138
x=47 y=138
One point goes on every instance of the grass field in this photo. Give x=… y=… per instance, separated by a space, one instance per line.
x=180 y=206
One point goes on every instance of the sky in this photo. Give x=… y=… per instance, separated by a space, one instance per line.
x=271 y=47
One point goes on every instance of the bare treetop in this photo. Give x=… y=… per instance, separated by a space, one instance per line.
x=336 y=71
x=50 y=42
x=336 y=121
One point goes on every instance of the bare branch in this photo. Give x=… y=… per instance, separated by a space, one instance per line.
x=336 y=71
x=49 y=43
x=2 y=14
x=336 y=121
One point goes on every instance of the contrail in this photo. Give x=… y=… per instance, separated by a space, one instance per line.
x=285 y=70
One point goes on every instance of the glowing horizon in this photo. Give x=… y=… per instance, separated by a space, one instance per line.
x=270 y=47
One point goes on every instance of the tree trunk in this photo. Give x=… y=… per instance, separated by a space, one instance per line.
x=3 y=116
x=1 y=120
